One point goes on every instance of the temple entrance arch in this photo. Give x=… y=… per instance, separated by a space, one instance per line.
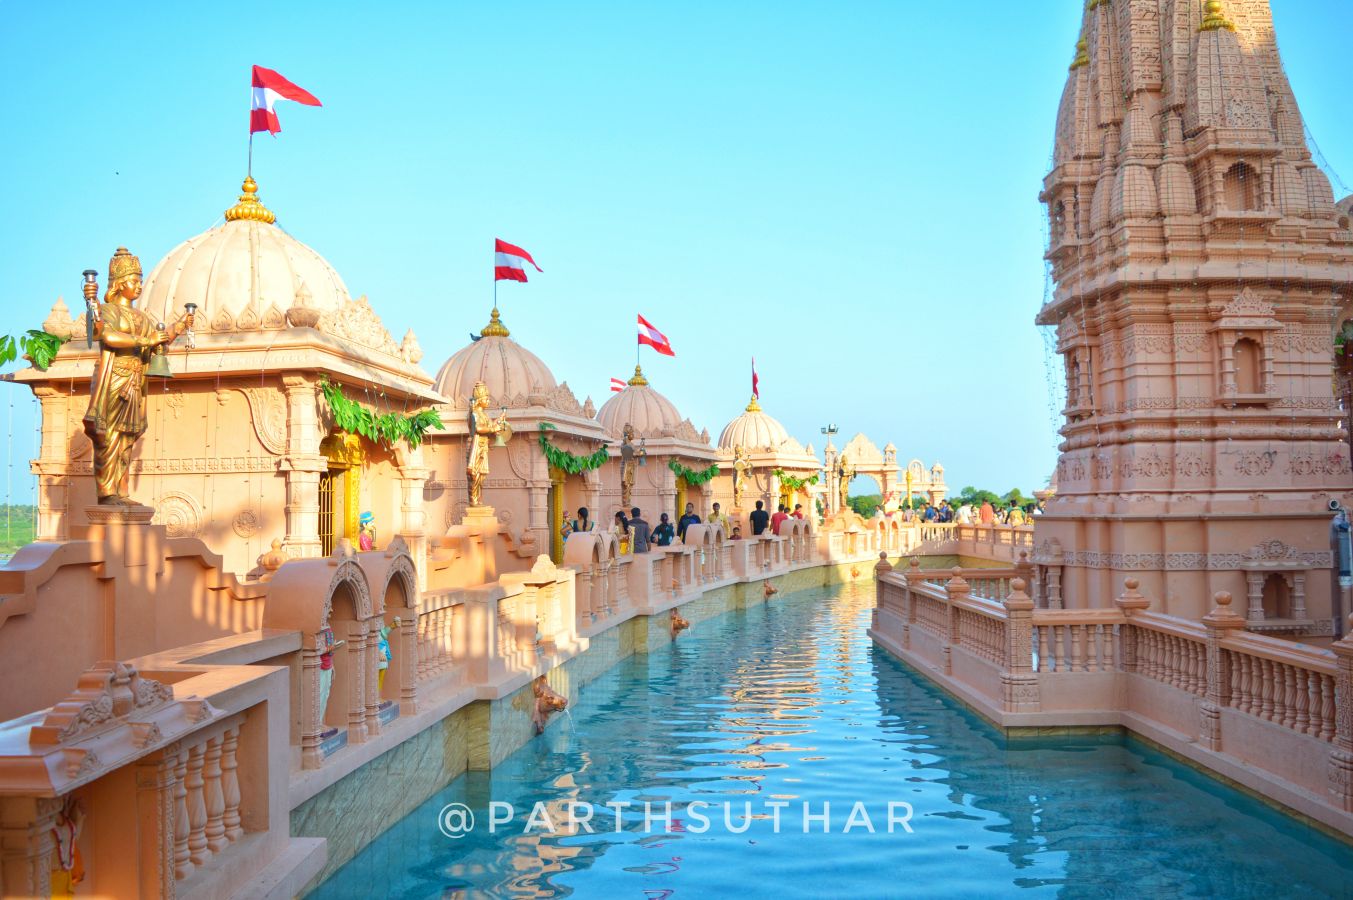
x=861 y=458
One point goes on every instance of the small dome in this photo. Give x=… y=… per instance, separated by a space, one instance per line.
x=247 y=268
x=651 y=414
x=511 y=372
x=753 y=430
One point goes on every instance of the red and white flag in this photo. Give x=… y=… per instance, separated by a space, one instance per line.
x=654 y=338
x=269 y=87
x=617 y=385
x=755 y=380
x=509 y=262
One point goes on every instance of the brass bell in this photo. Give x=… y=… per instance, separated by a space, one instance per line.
x=159 y=364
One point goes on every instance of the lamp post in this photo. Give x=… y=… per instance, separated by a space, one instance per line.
x=830 y=470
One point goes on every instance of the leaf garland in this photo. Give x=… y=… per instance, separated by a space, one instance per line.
x=39 y=346
x=794 y=484
x=386 y=428
x=693 y=478
x=569 y=463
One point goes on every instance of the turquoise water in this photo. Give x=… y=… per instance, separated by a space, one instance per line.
x=789 y=703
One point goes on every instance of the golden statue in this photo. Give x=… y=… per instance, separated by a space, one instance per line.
x=742 y=468
x=482 y=427
x=844 y=475
x=630 y=457
x=127 y=338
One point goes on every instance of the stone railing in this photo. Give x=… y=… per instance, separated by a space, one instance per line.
x=137 y=788
x=1274 y=715
x=1002 y=543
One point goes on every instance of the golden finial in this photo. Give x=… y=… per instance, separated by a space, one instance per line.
x=1082 y=54
x=495 y=328
x=753 y=406
x=1214 y=19
x=250 y=208
x=638 y=378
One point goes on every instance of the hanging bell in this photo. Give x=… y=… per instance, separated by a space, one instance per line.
x=159 y=364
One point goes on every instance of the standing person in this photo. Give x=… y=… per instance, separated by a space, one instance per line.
x=663 y=534
x=621 y=529
x=986 y=515
x=778 y=519
x=1016 y=515
x=798 y=511
x=582 y=523
x=760 y=519
x=718 y=518
x=686 y=521
x=639 y=531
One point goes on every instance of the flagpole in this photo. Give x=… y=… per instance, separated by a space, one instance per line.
x=249 y=170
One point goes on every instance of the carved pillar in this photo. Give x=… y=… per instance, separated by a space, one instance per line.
x=355 y=670
x=1129 y=602
x=957 y=589
x=157 y=787
x=1298 y=595
x=1221 y=621
x=1019 y=684
x=1341 y=757
x=371 y=695
x=1228 y=364
x=303 y=465
x=413 y=475
x=312 y=717
x=1254 y=587
x=408 y=662
x=26 y=845
x=53 y=465
x=1054 y=587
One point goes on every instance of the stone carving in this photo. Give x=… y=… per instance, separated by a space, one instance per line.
x=409 y=348
x=108 y=690
x=1191 y=465
x=357 y=322
x=248 y=320
x=1254 y=464
x=246 y=523
x=180 y=513
x=269 y=413
x=273 y=318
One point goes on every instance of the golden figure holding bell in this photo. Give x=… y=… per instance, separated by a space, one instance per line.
x=128 y=340
x=482 y=427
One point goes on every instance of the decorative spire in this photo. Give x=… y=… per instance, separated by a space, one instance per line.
x=1082 y=54
x=495 y=328
x=250 y=208
x=1095 y=4
x=638 y=379
x=1214 y=19
x=753 y=406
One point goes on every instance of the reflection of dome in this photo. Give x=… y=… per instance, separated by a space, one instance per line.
x=651 y=414
x=510 y=371
x=247 y=268
x=753 y=430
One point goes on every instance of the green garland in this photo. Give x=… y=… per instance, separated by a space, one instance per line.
x=794 y=484
x=569 y=463
x=38 y=346
x=387 y=428
x=693 y=478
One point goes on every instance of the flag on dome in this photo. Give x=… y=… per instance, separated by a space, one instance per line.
x=617 y=385
x=509 y=262
x=654 y=338
x=755 y=381
x=268 y=88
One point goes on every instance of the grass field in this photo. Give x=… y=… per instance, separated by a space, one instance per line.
x=16 y=528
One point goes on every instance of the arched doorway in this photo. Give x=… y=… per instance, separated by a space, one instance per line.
x=339 y=490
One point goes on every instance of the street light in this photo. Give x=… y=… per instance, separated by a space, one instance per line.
x=830 y=430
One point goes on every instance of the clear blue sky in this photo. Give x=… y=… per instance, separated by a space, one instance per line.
x=847 y=191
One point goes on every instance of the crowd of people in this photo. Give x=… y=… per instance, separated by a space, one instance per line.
x=986 y=513
x=636 y=535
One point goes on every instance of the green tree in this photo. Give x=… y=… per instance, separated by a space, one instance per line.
x=866 y=504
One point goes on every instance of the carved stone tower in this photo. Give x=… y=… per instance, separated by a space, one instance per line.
x=1200 y=268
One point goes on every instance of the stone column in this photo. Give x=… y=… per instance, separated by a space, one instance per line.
x=957 y=589
x=312 y=717
x=1217 y=693
x=1129 y=602
x=413 y=475
x=53 y=465
x=1019 y=683
x=1341 y=757
x=303 y=465
x=1298 y=595
x=26 y=845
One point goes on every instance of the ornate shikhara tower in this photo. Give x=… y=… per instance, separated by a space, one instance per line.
x=1200 y=270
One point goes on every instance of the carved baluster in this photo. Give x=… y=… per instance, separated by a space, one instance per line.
x=197 y=808
x=1327 y=725
x=230 y=784
x=1237 y=663
x=1077 y=653
x=215 y=798
x=1289 y=697
x=1270 y=688
x=183 y=864
x=1302 y=720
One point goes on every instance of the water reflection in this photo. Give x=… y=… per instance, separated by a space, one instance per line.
x=790 y=703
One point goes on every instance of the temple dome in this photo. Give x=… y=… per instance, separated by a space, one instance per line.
x=512 y=373
x=754 y=430
x=243 y=274
x=651 y=414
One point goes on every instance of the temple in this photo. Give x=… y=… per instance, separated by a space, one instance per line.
x=337 y=582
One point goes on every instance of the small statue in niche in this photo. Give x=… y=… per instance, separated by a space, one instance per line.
x=325 y=643
x=384 y=655
x=630 y=457
x=366 y=540
x=742 y=468
x=482 y=427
